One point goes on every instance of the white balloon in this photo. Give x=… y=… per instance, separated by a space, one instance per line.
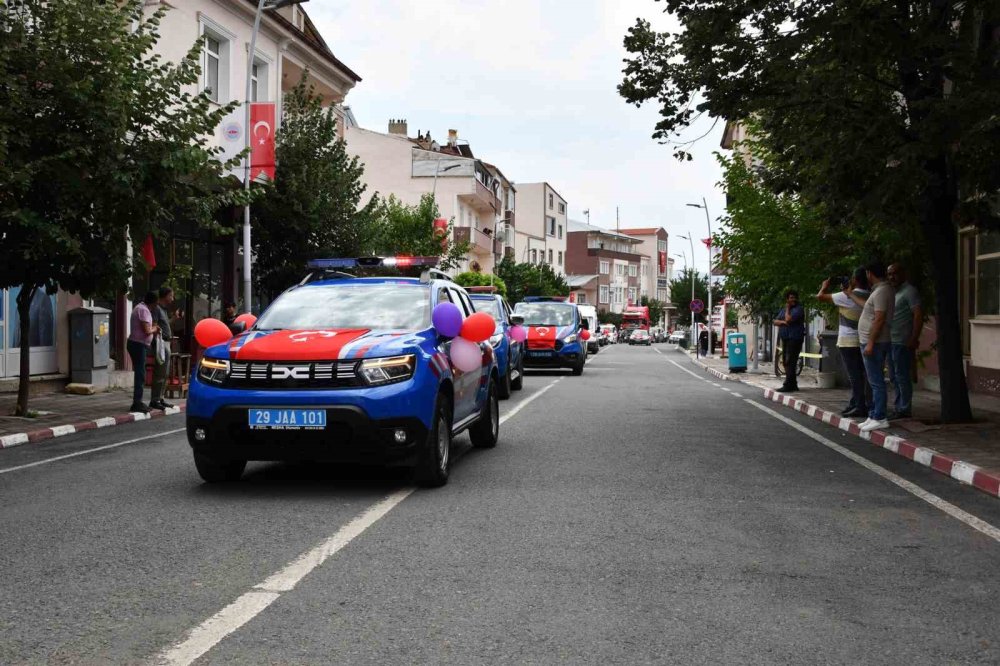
x=466 y=355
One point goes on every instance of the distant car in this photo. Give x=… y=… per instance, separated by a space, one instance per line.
x=640 y=337
x=677 y=337
x=509 y=353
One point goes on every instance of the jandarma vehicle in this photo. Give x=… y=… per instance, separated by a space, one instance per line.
x=344 y=368
x=554 y=328
x=509 y=353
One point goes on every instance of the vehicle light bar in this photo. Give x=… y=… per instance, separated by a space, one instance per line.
x=545 y=299
x=485 y=289
x=372 y=262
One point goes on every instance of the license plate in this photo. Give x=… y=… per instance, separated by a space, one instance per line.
x=287 y=419
x=539 y=354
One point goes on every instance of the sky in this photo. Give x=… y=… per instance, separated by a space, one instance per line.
x=531 y=84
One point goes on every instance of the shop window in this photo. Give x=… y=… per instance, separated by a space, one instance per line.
x=988 y=274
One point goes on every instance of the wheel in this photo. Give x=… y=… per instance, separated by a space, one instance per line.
x=503 y=390
x=779 y=362
x=801 y=364
x=518 y=383
x=578 y=368
x=486 y=431
x=432 y=469
x=218 y=471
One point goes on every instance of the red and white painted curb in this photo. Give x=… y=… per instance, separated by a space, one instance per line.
x=16 y=439
x=960 y=471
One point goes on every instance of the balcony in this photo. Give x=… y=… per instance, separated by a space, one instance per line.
x=481 y=198
x=508 y=217
x=481 y=243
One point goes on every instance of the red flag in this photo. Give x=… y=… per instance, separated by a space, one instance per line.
x=148 y=255
x=262 y=140
x=707 y=241
x=663 y=262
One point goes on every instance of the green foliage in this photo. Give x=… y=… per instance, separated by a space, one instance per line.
x=98 y=138
x=680 y=294
x=311 y=208
x=474 y=279
x=606 y=317
x=527 y=279
x=396 y=228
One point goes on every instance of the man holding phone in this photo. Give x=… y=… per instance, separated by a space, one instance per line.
x=792 y=332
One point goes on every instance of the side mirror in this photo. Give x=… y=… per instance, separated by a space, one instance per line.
x=517 y=320
x=585 y=325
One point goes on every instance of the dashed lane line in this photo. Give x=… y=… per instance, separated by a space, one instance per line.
x=93 y=450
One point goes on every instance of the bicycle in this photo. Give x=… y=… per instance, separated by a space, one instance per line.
x=779 y=361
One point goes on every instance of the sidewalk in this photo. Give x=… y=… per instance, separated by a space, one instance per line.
x=968 y=452
x=59 y=414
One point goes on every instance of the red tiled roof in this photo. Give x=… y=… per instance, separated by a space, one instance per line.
x=646 y=231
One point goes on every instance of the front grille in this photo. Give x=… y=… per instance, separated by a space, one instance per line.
x=293 y=375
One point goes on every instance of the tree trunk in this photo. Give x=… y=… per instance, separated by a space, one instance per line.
x=24 y=298
x=942 y=239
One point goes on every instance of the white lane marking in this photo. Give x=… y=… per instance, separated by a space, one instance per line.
x=93 y=450
x=935 y=501
x=209 y=633
x=696 y=376
x=657 y=350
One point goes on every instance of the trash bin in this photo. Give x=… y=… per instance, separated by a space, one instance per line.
x=737 y=345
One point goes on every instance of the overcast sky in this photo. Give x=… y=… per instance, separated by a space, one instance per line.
x=532 y=86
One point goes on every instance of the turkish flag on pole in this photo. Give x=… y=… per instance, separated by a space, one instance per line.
x=262 y=140
x=662 y=260
x=148 y=255
x=707 y=241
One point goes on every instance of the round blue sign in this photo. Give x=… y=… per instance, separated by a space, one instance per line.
x=697 y=306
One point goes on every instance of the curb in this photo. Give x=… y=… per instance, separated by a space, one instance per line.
x=16 y=439
x=963 y=472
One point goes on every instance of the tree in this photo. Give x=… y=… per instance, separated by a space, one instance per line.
x=873 y=110
x=526 y=279
x=311 y=208
x=680 y=294
x=474 y=279
x=99 y=140
x=398 y=229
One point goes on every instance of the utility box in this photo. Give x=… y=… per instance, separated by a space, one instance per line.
x=737 y=344
x=89 y=345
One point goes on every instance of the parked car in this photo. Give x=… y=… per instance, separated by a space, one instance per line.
x=589 y=314
x=509 y=353
x=677 y=336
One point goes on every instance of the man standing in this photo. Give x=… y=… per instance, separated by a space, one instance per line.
x=873 y=332
x=847 y=337
x=792 y=331
x=907 y=322
x=161 y=362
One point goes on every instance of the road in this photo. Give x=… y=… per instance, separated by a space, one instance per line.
x=636 y=514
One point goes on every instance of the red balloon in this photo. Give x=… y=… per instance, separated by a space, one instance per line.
x=246 y=318
x=210 y=332
x=584 y=335
x=479 y=327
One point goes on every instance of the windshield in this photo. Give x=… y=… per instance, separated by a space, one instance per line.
x=541 y=314
x=350 y=306
x=490 y=306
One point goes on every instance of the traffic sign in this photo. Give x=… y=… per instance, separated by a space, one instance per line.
x=697 y=306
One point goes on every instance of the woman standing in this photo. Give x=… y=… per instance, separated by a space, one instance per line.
x=141 y=332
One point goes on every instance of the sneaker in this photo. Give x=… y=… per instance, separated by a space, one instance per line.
x=872 y=424
x=895 y=416
x=140 y=407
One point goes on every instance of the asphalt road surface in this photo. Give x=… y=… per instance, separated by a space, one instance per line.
x=641 y=513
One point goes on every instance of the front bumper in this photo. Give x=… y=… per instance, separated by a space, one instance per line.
x=569 y=356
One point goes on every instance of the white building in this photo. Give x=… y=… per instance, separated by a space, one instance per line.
x=542 y=225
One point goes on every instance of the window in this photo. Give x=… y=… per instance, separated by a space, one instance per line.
x=602 y=295
x=592 y=242
x=560 y=257
x=213 y=49
x=550 y=201
x=631 y=295
x=605 y=269
x=988 y=274
x=661 y=246
x=562 y=208
x=215 y=60
x=550 y=257
x=550 y=223
x=560 y=231
x=581 y=297
x=258 y=81
x=631 y=270
x=534 y=256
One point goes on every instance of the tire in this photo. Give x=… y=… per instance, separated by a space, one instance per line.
x=486 y=431
x=218 y=471
x=578 y=368
x=431 y=470
x=518 y=383
x=503 y=390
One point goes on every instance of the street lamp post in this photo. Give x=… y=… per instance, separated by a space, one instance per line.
x=262 y=6
x=708 y=220
x=694 y=335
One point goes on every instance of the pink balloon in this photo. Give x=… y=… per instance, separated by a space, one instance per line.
x=466 y=355
x=518 y=333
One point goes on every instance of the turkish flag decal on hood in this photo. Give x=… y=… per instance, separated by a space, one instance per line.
x=319 y=345
x=541 y=337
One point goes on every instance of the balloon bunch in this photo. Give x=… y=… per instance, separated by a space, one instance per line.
x=211 y=331
x=518 y=333
x=465 y=352
x=584 y=335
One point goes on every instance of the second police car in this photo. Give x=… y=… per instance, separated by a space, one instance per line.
x=509 y=353
x=343 y=368
x=554 y=327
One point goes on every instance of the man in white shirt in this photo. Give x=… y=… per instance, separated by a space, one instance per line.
x=848 y=342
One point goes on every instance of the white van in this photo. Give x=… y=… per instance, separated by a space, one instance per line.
x=589 y=313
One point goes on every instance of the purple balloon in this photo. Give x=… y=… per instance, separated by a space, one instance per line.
x=518 y=333
x=447 y=319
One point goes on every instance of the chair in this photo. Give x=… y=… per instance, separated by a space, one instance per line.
x=180 y=375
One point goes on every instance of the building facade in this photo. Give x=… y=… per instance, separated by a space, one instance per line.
x=611 y=257
x=542 y=226
x=655 y=271
x=475 y=194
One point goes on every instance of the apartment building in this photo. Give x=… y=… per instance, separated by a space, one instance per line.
x=610 y=256
x=542 y=221
x=654 y=272
x=474 y=193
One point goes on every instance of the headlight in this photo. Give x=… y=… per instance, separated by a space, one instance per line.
x=390 y=369
x=569 y=339
x=213 y=370
x=496 y=339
